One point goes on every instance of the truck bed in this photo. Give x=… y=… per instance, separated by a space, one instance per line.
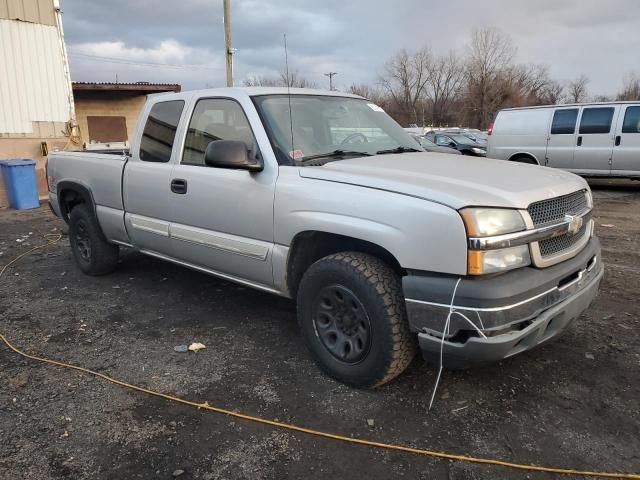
x=101 y=173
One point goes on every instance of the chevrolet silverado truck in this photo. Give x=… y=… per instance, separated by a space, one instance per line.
x=321 y=197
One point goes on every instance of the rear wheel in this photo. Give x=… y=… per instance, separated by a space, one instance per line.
x=91 y=250
x=352 y=316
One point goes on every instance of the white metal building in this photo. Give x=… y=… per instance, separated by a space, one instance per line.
x=36 y=101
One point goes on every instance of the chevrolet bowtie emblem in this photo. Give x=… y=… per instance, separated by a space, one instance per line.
x=575 y=224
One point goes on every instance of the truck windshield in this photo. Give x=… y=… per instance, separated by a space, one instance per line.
x=329 y=126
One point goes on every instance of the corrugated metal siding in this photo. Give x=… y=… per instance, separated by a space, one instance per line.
x=32 y=82
x=34 y=11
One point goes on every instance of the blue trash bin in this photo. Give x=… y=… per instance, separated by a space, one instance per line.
x=21 y=183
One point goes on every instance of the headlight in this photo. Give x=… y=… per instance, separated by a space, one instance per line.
x=482 y=262
x=486 y=222
x=480 y=151
x=489 y=222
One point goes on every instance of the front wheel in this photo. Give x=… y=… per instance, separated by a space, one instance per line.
x=352 y=316
x=91 y=250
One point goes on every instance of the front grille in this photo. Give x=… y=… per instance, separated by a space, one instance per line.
x=554 y=210
x=557 y=245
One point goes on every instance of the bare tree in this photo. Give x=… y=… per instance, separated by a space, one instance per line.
x=631 y=88
x=261 y=81
x=602 y=98
x=552 y=93
x=295 y=80
x=577 y=90
x=491 y=52
x=444 y=83
x=527 y=84
x=371 y=93
x=467 y=91
x=404 y=79
x=367 y=91
x=361 y=89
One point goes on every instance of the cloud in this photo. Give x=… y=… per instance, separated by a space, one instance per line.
x=168 y=62
x=353 y=37
x=168 y=51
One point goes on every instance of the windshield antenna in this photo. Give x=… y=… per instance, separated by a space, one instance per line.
x=286 y=63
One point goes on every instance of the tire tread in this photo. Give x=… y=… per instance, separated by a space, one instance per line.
x=104 y=254
x=387 y=284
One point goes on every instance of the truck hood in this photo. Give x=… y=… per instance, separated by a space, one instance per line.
x=455 y=181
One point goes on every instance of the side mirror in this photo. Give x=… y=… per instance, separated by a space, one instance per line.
x=452 y=145
x=231 y=154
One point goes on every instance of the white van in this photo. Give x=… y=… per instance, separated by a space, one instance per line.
x=593 y=140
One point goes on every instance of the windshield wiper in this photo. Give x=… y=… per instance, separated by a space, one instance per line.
x=400 y=149
x=335 y=153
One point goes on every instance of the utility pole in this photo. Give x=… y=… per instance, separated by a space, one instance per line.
x=227 y=41
x=330 y=75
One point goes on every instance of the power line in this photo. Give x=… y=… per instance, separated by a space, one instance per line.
x=125 y=61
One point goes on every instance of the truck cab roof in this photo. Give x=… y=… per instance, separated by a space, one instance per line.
x=254 y=92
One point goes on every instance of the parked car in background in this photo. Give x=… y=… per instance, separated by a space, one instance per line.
x=593 y=140
x=429 y=146
x=316 y=199
x=478 y=137
x=413 y=129
x=459 y=142
x=474 y=134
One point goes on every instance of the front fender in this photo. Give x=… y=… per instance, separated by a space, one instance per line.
x=420 y=234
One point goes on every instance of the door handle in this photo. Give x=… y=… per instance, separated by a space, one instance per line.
x=580 y=141
x=179 y=186
x=618 y=139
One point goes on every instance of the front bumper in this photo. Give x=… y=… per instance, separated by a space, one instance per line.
x=516 y=311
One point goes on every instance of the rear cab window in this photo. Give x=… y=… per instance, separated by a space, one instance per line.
x=159 y=131
x=564 y=121
x=596 y=120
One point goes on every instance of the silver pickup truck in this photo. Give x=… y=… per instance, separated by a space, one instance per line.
x=321 y=197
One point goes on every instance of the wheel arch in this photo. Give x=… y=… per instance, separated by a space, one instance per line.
x=524 y=155
x=70 y=194
x=309 y=246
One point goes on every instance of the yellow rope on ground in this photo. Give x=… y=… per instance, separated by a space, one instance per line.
x=309 y=431
x=56 y=238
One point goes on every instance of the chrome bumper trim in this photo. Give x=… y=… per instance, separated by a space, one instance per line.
x=433 y=315
x=544 y=328
x=528 y=236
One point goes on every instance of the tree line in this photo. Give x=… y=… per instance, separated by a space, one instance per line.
x=464 y=89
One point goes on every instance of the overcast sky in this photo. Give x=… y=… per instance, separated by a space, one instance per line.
x=352 y=37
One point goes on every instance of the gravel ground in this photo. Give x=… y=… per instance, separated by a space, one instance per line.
x=573 y=404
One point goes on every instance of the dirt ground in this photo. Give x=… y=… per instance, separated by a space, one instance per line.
x=572 y=404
